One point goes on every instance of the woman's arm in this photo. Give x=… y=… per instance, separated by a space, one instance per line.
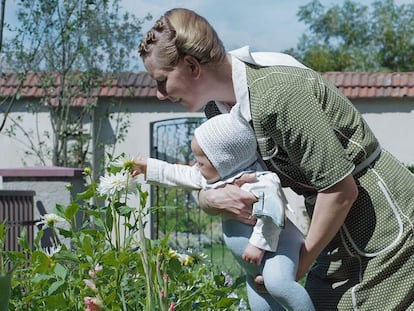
x=331 y=208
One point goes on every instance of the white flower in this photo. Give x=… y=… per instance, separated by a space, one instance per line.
x=111 y=184
x=122 y=162
x=228 y=281
x=50 y=220
x=242 y=305
x=185 y=259
x=50 y=251
x=232 y=295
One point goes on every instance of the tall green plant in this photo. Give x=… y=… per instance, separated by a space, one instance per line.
x=107 y=262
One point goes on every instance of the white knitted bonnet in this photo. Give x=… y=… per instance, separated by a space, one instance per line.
x=228 y=142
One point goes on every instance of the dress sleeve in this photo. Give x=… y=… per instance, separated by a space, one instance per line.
x=173 y=175
x=265 y=235
x=294 y=118
x=271 y=204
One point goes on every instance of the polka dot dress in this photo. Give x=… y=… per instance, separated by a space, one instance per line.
x=312 y=136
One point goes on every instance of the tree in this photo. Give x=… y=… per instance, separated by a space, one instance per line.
x=75 y=45
x=354 y=37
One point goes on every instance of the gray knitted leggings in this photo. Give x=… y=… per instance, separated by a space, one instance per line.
x=278 y=269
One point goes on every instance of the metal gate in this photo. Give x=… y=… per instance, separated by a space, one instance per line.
x=16 y=209
x=179 y=214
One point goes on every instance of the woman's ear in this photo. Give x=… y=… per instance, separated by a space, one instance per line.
x=193 y=66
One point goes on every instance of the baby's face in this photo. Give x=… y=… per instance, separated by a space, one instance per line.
x=208 y=171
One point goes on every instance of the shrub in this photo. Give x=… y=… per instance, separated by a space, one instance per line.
x=109 y=264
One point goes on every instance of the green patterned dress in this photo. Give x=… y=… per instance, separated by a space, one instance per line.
x=312 y=136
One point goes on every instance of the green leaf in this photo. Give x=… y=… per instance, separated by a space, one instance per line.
x=96 y=214
x=54 y=302
x=23 y=241
x=87 y=245
x=65 y=233
x=100 y=224
x=60 y=271
x=240 y=281
x=109 y=219
x=174 y=266
x=5 y=289
x=41 y=277
x=60 y=210
x=66 y=255
x=89 y=193
x=71 y=210
x=110 y=298
x=2 y=232
x=219 y=280
x=38 y=238
x=40 y=262
x=126 y=210
x=226 y=302
x=110 y=259
x=55 y=286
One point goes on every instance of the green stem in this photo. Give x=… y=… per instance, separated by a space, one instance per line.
x=115 y=224
x=145 y=259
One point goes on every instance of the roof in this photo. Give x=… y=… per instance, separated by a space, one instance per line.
x=373 y=84
x=141 y=85
x=125 y=85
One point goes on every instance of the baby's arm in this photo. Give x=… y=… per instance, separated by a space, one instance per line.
x=139 y=166
x=162 y=173
x=270 y=213
x=253 y=254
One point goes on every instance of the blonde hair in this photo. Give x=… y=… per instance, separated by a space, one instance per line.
x=181 y=32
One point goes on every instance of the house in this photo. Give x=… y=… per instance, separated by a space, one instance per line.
x=386 y=100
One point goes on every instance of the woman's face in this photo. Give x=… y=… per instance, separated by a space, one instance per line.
x=177 y=84
x=207 y=169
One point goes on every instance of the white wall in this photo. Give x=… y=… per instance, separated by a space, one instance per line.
x=391 y=120
x=393 y=124
x=13 y=149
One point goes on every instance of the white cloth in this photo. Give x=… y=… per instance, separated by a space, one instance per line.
x=270 y=209
x=262 y=59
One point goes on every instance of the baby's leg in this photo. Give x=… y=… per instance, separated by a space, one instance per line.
x=260 y=301
x=279 y=272
x=236 y=236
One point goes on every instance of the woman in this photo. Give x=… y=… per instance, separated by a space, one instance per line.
x=225 y=148
x=361 y=200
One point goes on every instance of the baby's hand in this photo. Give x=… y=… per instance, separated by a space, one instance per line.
x=253 y=254
x=139 y=166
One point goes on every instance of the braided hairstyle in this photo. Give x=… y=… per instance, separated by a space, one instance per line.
x=181 y=32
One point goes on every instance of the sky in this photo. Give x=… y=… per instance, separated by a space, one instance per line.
x=264 y=25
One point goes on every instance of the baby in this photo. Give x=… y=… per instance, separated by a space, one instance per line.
x=225 y=149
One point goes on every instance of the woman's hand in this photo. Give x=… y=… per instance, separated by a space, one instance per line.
x=230 y=201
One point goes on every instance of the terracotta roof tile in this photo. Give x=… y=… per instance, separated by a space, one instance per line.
x=141 y=85
x=370 y=85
